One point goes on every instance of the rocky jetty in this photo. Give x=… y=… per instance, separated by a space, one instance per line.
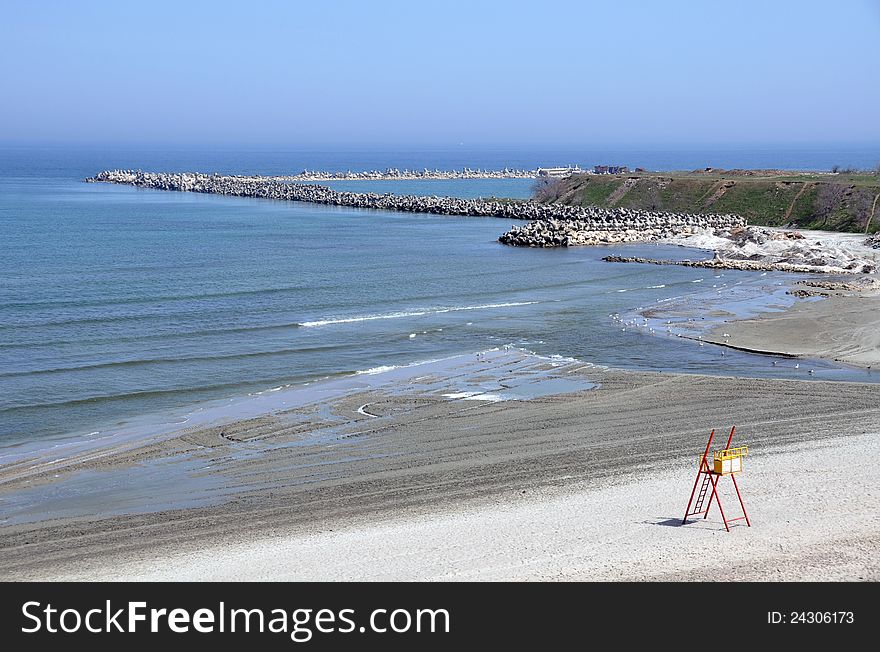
x=719 y=262
x=859 y=284
x=724 y=263
x=550 y=222
x=736 y=245
x=584 y=226
x=395 y=174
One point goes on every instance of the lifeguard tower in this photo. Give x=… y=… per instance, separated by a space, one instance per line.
x=725 y=462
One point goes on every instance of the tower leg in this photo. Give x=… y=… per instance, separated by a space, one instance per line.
x=720 y=508
x=741 y=504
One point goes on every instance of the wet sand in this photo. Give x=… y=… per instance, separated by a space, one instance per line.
x=415 y=484
x=842 y=325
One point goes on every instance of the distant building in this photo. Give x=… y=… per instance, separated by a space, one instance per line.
x=610 y=169
x=559 y=172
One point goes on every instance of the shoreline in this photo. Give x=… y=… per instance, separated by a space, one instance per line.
x=838 y=323
x=494 y=375
x=830 y=319
x=154 y=427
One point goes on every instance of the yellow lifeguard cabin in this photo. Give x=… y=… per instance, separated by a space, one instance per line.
x=729 y=460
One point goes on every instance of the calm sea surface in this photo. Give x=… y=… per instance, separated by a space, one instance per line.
x=117 y=302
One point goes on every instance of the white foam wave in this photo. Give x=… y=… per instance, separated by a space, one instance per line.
x=475 y=396
x=391 y=367
x=413 y=313
x=376 y=370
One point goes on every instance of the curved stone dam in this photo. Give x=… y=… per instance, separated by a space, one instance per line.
x=551 y=225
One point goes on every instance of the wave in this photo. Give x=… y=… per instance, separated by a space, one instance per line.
x=136 y=300
x=377 y=370
x=45 y=343
x=216 y=389
x=87 y=320
x=412 y=313
x=108 y=319
x=475 y=396
x=381 y=369
x=176 y=360
x=649 y=287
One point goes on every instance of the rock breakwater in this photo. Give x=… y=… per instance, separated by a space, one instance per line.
x=552 y=224
x=726 y=263
x=585 y=226
x=736 y=245
x=395 y=174
x=276 y=188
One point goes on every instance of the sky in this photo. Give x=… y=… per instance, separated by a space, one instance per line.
x=445 y=73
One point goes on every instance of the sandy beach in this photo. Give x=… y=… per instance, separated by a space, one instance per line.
x=627 y=530
x=836 y=321
x=415 y=482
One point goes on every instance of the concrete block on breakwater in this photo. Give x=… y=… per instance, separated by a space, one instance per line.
x=395 y=174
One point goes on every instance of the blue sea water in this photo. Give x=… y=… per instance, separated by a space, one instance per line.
x=117 y=302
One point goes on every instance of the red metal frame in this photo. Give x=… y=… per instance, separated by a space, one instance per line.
x=712 y=478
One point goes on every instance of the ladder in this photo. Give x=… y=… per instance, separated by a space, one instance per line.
x=704 y=489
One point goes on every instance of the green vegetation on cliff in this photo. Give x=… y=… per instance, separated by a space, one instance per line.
x=837 y=202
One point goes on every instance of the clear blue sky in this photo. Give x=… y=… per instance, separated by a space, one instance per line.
x=326 y=73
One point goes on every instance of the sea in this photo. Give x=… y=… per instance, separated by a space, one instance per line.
x=119 y=304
